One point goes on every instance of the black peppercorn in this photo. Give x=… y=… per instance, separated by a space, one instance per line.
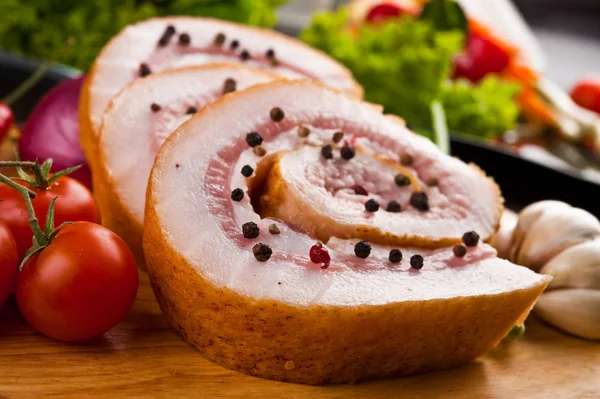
x=234 y=44
x=416 y=262
x=237 y=194
x=262 y=252
x=395 y=256
x=470 y=238
x=144 y=70
x=360 y=190
x=184 y=39
x=419 y=201
x=250 y=230
x=372 y=205
x=347 y=153
x=393 y=207
x=362 y=249
x=245 y=55
x=191 y=110
x=270 y=53
x=327 y=152
x=247 y=170
x=155 y=107
x=253 y=139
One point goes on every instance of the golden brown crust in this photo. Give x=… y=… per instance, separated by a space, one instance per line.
x=115 y=214
x=324 y=344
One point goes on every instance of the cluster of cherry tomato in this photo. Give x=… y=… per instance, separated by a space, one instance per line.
x=83 y=280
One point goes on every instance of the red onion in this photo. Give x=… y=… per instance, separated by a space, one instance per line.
x=52 y=131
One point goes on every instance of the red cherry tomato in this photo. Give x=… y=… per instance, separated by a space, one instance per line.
x=482 y=56
x=383 y=11
x=6 y=119
x=9 y=262
x=75 y=203
x=587 y=94
x=80 y=286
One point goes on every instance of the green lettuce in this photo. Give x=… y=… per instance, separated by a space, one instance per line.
x=72 y=32
x=405 y=65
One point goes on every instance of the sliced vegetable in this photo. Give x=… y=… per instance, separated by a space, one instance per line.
x=52 y=131
x=586 y=94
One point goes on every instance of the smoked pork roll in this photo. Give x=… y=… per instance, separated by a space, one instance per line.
x=162 y=43
x=285 y=237
x=137 y=122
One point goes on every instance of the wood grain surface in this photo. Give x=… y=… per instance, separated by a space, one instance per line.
x=144 y=358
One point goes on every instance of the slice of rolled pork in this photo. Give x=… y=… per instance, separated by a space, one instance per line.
x=251 y=298
x=162 y=43
x=137 y=122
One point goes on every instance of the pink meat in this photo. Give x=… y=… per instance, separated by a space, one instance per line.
x=119 y=62
x=132 y=132
x=199 y=166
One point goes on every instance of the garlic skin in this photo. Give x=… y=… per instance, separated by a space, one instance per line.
x=576 y=267
x=576 y=311
x=502 y=239
x=549 y=230
x=564 y=242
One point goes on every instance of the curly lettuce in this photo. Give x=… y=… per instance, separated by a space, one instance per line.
x=405 y=65
x=72 y=32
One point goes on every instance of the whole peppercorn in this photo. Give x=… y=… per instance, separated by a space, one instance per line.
x=395 y=256
x=362 y=249
x=470 y=238
x=416 y=262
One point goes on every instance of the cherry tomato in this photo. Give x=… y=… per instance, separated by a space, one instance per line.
x=80 y=286
x=383 y=11
x=9 y=262
x=6 y=119
x=587 y=94
x=482 y=56
x=75 y=203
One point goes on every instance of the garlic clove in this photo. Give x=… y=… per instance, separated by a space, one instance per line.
x=575 y=267
x=576 y=311
x=527 y=217
x=503 y=237
x=555 y=230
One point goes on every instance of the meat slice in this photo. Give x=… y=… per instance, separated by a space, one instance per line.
x=137 y=122
x=232 y=256
x=162 y=43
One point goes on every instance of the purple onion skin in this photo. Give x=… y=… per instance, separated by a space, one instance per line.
x=52 y=131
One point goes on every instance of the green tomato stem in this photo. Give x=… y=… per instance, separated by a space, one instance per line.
x=39 y=235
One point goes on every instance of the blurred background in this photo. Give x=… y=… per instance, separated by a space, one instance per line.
x=518 y=81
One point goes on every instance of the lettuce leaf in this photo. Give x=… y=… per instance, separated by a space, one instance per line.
x=405 y=65
x=42 y=28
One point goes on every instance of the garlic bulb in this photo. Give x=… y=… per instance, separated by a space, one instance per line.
x=562 y=241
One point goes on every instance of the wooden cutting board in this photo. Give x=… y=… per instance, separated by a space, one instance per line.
x=144 y=357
